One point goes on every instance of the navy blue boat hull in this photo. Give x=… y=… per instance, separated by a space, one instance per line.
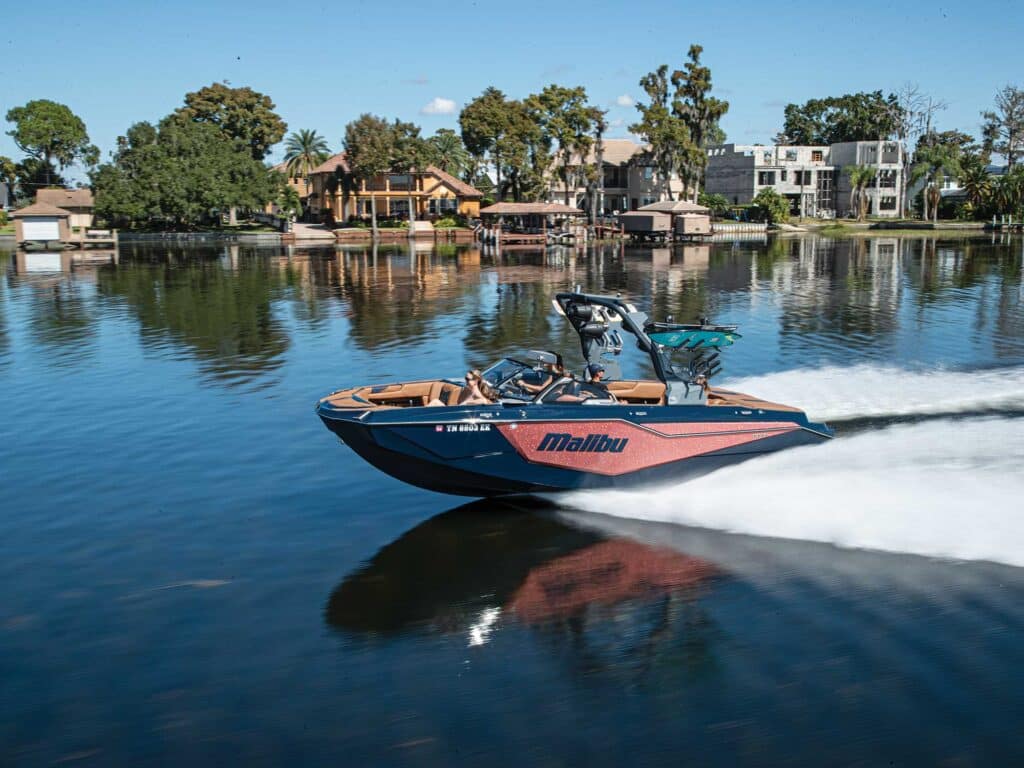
x=492 y=451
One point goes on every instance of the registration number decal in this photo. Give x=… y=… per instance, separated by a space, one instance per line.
x=465 y=427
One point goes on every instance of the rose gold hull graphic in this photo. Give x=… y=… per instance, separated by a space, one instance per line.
x=645 y=447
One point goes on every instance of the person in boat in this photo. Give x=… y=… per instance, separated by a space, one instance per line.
x=549 y=373
x=594 y=388
x=477 y=391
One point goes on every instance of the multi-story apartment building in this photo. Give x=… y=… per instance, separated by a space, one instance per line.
x=629 y=176
x=812 y=178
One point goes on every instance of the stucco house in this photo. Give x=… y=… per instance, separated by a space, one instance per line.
x=77 y=202
x=337 y=194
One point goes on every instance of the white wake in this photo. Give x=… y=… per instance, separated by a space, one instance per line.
x=864 y=391
x=947 y=488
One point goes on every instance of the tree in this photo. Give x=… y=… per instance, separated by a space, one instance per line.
x=913 y=113
x=835 y=119
x=975 y=181
x=242 y=113
x=1003 y=128
x=1008 y=193
x=179 y=172
x=718 y=204
x=50 y=132
x=448 y=152
x=860 y=177
x=370 y=149
x=771 y=206
x=666 y=135
x=567 y=119
x=410 y=154
x=933 y=162
x=484 y=122
x=304 y=150
x=700 y=112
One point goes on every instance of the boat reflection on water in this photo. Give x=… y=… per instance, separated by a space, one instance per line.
x=487 y=564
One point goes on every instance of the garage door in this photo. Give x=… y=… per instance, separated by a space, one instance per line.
x=42 y=229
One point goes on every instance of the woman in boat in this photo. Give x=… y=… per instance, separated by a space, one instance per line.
x=477 y=391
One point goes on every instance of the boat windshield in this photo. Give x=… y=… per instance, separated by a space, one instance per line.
x=504 y=371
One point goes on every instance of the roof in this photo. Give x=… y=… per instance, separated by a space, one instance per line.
x=460 y=187
x=332 y=163
x=613 y=152
x=70 y=198
x=526 y=209
x=40 y=209
x=674 y=206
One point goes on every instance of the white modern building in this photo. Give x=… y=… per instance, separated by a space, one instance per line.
x=810 y=177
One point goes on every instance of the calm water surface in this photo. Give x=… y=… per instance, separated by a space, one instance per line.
x=197 y=572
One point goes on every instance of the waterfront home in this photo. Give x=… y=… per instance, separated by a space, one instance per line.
x=629 y=176
x=298 y=183
x=77 y=202
x=336 y=194
x=41 y=223
x=812 y=178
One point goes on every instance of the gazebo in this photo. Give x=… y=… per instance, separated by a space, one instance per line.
x=675 y=207
x=529 y=220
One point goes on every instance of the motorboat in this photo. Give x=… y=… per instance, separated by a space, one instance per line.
x=547 y=430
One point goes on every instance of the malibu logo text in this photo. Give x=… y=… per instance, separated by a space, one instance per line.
x=563 y=441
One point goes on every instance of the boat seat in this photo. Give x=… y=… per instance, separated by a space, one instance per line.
x=637 y=392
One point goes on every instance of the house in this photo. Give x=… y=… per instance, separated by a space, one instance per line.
x=77 y=202
x=335 y=193
x=41 y=223
x=298 y=183
x=629 y=176
x=812 y=178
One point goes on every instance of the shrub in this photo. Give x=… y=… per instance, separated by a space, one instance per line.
x=719 y=204
x=449 y=222
x=3 y=218
x=770 y=206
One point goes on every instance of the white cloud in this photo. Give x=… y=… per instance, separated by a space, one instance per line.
x=625 y=100
x=617 y=123
x=438 y=106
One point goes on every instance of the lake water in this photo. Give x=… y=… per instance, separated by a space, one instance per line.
x=196 y=572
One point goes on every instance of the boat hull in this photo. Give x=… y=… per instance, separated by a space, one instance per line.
x=493 y=451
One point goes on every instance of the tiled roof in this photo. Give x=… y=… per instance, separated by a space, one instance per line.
x=40 y=209
x=331 y=164
x=72 y=198
x=526 y=209
x=460 y=187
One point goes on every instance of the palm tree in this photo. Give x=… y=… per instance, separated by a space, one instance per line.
x=860 y=177
x=304 y=151
x=448 y=152
x=934 y=163
x=975 y=181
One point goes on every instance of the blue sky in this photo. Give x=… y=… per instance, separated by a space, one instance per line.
x=116 y=62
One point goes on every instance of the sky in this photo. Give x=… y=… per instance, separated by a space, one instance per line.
x=116 y=62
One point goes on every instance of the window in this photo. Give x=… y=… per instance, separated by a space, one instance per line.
x=442 y=206
x=766 y=178
x=791 y=155
x=767 y=156
x=400 y=182
x=398 y=208
x=783 y=172
x=817 y=156
x=648 y=173
x=647 y=200
x=803 y=178
x=887 y=204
